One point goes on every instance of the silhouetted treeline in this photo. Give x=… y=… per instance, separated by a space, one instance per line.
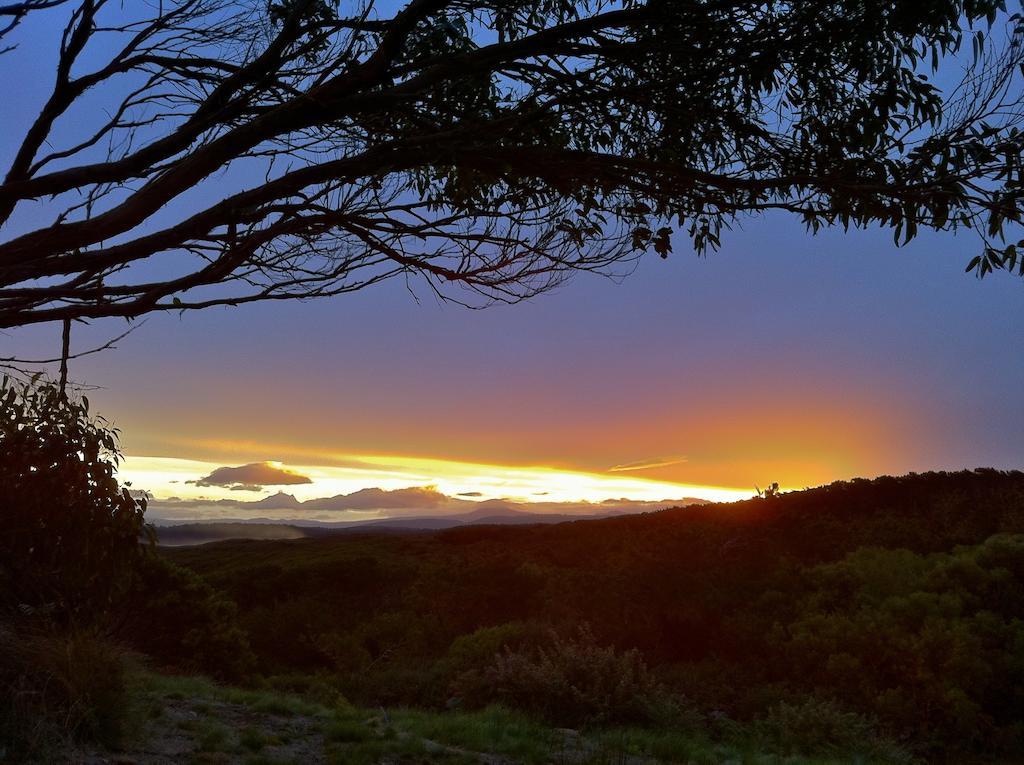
x=897 y=600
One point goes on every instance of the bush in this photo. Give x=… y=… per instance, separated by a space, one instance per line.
x=323 y=688
x=70 y=552
x=821 y=728
x=180 y=620
x=56 y=688
x=478 y=649
x=469 y=656
x=69 y=535
x=930 y=645
x=572 y=682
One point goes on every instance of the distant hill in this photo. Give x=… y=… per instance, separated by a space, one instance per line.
x=202 y=533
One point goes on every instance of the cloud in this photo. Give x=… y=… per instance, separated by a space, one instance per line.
x=470 y=494
x=252 y=477
x=655 y=462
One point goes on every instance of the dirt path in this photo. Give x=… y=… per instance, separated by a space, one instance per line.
x=203 y=731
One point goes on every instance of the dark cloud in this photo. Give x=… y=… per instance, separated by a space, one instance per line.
x=469 y=494
x=252 y=477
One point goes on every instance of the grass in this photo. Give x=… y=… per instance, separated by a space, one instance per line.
x=213 y=736
x=614 y=746
x=494 y=730
x=400 y=748
x=268 y=759
x=347 y=731
x=203 y=690
x=617 y=745
x=353 y=736
x=255 y=739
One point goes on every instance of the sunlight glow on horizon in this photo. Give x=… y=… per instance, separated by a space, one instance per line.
x=166 y=477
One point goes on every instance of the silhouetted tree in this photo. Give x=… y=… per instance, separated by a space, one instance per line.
x=306 y=148
x=12 y=14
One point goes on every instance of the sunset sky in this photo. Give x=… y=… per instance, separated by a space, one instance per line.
x=783 y=357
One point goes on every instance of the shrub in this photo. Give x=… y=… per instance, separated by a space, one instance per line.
x=322 y=688
x=70 y=552
x=478 y=649
x=69 y=535
x=180 y=620
x=470 y=656
x=821 y=728
x=930 y=644
x=57 y=687
x=572 y=682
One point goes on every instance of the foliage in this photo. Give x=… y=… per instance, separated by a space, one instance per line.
x=488 y=148
x=461 y=671
x=72 y=544
x=931 y=644
x=70 y=537
x=309 y=16
x=822 y=728
x=178 y=619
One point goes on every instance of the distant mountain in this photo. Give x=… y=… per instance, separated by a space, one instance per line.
x=279 y=501
x=495 y=508
x=494 y=514
x=415 y=497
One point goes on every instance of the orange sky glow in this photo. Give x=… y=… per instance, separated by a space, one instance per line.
x=719 y=452
x=688 y=378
